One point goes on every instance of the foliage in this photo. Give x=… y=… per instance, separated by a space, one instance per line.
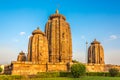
x=47 y=74
x=65 y=74
x=78 y=70
x=10 y=77
x=52 y=74
x=75 y=61
x=0 y=69
x=113 y=72
x=97 y=74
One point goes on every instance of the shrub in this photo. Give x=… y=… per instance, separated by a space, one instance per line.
x=0 y=69
x=11 y=77
x=65 y=74
x=97 y=73
x=113 y=72
x=78 y=70
x=47 y=74
x=75 y=61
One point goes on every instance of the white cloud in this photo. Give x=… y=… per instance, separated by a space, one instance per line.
x=82 y=37
x=22 y=33
x=16 y=40
x=113 y=37
x=29 y=36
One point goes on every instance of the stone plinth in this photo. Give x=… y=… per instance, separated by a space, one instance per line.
x=100 y=67
x=30 y=68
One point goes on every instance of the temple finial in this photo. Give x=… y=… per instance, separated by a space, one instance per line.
x=57 y=12
x=38 y=27
x=95 y=39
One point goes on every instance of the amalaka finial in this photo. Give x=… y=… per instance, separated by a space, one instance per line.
x=95 y=39
x=57 y=12
x=38 y=28
x=86 y=42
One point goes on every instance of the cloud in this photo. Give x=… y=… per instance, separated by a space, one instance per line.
x=22 y=33
x=29 y=36
x=16 y=40
x=113 y=37
x=82 y=37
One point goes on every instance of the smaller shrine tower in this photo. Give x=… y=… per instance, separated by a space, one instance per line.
x=38 y=47
x=21 y=56
x=96 y=53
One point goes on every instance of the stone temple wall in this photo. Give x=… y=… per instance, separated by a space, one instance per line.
x=29 y=68
x=100 y=67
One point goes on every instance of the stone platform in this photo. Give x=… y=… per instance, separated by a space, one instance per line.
x=29 y=68
x=100 y=67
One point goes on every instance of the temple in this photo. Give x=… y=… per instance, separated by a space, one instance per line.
x=21 y=56
x=59 y=38
x=51 y=51
x=96 y=53
x=38 y=47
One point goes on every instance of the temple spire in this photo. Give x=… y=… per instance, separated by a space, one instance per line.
x=57 y=11
x=95 y=39
x=38 y=27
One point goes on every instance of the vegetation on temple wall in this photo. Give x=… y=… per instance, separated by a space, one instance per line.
x=113 y=72
x=78 y=70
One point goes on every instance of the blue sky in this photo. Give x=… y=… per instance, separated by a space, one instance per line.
x=89 y=19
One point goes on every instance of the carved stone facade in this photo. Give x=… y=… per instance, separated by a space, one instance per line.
x=52 y=51
x=38 y=47
x=21 y=56
x=95 y=53
x=59 y=38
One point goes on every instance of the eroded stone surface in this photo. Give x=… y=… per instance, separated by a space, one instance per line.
x=96 y=53
x=38 y=47
x=59 y=38
x=21 y=56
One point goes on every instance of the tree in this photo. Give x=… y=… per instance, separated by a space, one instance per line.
x=0 y=69
x=75 y=61
x=78 y=69
x=113 y=72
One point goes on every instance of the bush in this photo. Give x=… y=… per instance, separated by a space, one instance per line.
x=97 y=74
x=65 y=74
x=47 y=74
x=11 y=77
x=75 y=61
x=0 y=69
x=113 y=72
x=78 y=70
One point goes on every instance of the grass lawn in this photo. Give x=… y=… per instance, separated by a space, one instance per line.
x=6 y=77
x=82 y=78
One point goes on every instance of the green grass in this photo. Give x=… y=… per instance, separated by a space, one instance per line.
x=10 y=77
x=82 y=78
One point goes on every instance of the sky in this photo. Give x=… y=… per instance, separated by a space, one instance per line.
x=88 y=19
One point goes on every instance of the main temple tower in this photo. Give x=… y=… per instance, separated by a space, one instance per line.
x=59 y=38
